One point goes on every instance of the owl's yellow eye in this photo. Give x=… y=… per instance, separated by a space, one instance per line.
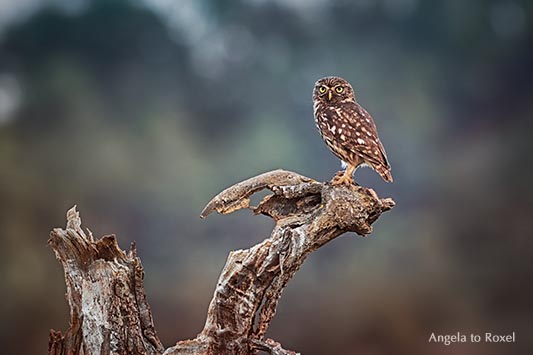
x=339 y=89
x=322 y=89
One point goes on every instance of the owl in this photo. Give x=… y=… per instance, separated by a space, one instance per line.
x=348 y=129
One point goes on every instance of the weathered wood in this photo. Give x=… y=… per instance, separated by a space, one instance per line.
x=109 y=313
x=308 y=214
x=103 y=281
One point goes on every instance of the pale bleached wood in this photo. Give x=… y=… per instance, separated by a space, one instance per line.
x=109 y=313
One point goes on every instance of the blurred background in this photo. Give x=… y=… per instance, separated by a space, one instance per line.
x=140 y=111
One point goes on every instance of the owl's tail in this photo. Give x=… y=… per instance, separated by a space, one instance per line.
x=384 y=172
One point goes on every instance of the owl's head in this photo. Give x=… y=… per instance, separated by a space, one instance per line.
x=333 y=89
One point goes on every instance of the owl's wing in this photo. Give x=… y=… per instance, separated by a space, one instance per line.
x=356 y=131
x=382 y=156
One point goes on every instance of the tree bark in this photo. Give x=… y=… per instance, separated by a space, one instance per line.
x=108 y=307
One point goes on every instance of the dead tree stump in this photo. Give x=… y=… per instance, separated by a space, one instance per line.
x=108 y=307
x=109 y=313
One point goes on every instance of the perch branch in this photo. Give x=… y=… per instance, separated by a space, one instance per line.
x=105 y=280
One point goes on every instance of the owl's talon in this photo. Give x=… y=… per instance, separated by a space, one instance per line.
x=342 y=178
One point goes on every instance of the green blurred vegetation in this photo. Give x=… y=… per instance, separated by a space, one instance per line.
x=140 y=111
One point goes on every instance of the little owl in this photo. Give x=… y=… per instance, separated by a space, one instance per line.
x=348 y=129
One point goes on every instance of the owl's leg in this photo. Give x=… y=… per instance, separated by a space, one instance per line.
x=345 y=177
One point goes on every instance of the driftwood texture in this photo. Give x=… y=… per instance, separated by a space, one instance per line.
x=108 y=307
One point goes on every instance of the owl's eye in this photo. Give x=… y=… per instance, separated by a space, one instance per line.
x=339 y=89
x=322 y=89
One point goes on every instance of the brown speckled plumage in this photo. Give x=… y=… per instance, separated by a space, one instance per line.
x=348 y=129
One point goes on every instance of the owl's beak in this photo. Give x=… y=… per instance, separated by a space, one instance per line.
x=329 y=95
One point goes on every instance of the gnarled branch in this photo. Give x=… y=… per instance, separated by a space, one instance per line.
x=104 y=280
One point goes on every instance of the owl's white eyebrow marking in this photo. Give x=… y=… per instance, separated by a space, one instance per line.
x=360 y=141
